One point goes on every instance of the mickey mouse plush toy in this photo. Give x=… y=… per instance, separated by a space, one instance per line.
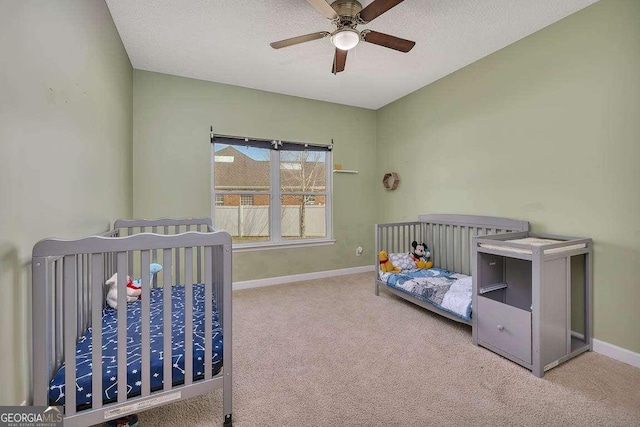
x=421 y=255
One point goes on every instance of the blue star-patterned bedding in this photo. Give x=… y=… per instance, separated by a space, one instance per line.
x=448 y=291
x=134 y=355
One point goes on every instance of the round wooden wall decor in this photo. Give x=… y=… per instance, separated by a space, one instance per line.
x=391 y=181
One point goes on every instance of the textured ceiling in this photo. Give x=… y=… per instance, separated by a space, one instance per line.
x=227 y=41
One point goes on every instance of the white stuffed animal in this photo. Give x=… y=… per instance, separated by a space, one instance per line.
x=133 y=293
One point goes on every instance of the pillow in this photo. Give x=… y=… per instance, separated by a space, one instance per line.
x=403 y=261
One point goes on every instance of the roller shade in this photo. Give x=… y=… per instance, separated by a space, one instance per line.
x=268 y=144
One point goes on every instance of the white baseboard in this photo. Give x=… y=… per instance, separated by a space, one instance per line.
x=618 y=353
x=300 y=277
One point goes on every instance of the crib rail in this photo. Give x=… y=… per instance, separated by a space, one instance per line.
x=165 y=226
x=68 y=297
x=449 y=237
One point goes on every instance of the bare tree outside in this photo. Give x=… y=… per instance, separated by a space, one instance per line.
x=302 y=172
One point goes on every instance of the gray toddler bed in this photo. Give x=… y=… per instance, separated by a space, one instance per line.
x=450 y=239
x=121 y=365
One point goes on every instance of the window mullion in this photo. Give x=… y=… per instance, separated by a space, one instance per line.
x=328 y=212
x=275 y=227
x=212 y=187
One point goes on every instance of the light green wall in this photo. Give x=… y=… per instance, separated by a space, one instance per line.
x=66 y=89
x=545 y=130
x=171 y=161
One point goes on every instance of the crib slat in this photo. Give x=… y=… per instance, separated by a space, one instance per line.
x=88 y=292
x=199 y=264
x=388 y=238
x=445 y=246
x=427 y=238
x=130 y=264
x=178 y=274
x=154 y=230
x=459 y=246
x=203 y=228
x=450 y=257
x=438 y=230
x=188 y=316
x=394 y=243
x=404 y=236
x=121 y=266
x=218 y=281
x=97 y=284
x=79 y=297
x=469 y=240
x=70 y=338
x=166 y=326
x=130 y=256
x=59 y=345
x=145 y=371
x=208 y=312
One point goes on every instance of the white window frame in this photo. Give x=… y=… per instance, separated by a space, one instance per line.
x=275 y=206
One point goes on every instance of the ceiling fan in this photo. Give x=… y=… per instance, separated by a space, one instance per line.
x=346 y=15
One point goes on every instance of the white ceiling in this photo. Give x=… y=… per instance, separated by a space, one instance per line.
x=227 y=41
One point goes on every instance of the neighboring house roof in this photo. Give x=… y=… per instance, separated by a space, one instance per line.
x=236 y=171
x=243 y=173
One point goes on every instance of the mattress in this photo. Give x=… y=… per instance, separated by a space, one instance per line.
x=533 y=241
x=444 y=289
x=134 y=355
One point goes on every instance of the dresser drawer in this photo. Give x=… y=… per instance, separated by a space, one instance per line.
x=505 y=327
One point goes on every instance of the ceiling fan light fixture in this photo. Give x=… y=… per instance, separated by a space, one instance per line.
x=345 y=38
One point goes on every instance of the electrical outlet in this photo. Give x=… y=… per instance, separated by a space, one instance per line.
x=359 y=251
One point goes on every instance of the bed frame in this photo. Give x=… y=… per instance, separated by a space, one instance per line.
x=69 y=295
x=450 y=239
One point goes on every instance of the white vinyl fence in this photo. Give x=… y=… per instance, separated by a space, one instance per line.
x=253 y=221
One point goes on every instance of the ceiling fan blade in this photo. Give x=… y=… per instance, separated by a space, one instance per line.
x=392 y=42
x=299 y=39
x=324 y=8
x=377 y=8
x=339 y=61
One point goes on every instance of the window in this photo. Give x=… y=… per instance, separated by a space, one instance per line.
x=269 y=195
x=246 y=200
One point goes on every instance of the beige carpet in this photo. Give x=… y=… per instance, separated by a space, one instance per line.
x=330 y=353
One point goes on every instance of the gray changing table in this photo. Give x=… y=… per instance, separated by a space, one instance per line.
x=532 y=298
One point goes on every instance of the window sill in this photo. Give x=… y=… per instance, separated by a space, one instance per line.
x=249 y=247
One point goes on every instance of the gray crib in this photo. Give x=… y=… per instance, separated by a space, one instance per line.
x=450 y=238
x=69 y=297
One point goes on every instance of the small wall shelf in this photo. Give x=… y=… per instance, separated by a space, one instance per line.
x=343 y=171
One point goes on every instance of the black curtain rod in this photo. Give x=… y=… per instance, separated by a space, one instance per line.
x=272 y=144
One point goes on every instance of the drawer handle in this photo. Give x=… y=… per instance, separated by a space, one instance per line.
x=500 y=328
